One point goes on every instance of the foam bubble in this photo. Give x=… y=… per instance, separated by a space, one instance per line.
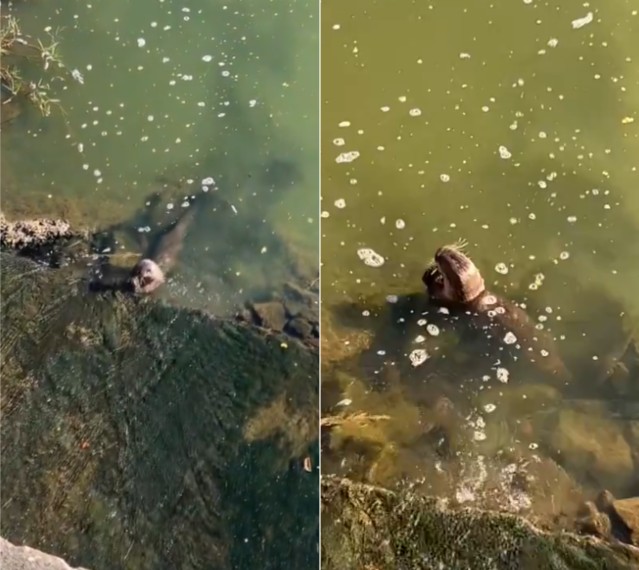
x=370 y=257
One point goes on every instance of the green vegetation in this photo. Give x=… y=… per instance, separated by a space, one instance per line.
x=23 y=56
x=370 y=528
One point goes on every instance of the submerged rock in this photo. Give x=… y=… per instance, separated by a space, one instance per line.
x=270 y=315
x=611 y=518
x=591 y=445
x=621 y=376
x=295 y=312
x=591 y=521
x=129 y=431
x=369 y=527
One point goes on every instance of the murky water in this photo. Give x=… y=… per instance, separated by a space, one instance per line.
x=514 y=126
x=213 y=100
x=175 y=94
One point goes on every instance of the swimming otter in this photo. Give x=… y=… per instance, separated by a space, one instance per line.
x=150 y=271
x=454 y=281
x=161 y=257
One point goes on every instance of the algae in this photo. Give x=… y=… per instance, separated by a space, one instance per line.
x=123 y=431
x=366 y=527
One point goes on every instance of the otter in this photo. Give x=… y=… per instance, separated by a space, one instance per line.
x=454 y=281
x=150 y=272
x=162 y=255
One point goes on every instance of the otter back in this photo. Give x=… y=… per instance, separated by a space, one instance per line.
x=165 y=250
x=500 y=317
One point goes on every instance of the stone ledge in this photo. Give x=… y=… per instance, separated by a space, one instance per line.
x=14 y=557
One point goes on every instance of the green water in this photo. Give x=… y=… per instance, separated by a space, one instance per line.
x=174 y=92
x=503 y=124
x=187 y=90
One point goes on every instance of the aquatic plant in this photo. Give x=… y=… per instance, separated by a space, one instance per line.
x=18 y=52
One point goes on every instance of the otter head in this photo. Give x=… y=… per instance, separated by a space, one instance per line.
x=146 y=276
x=453 y=278
x=434 y=282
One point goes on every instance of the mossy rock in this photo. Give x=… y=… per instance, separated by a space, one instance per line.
x=140 y=435
x=365 y=527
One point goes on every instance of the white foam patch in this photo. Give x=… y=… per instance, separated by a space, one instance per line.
x=370 y=257
x=581 y=22
x=418 y=357
x=347 y=156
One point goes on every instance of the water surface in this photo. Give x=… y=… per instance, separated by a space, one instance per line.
x=512 y=125
x=174 y=94
x=212 y=100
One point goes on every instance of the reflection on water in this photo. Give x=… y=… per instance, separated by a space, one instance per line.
x=512 y=125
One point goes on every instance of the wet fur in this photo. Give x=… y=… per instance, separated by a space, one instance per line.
x=165 y=250
x=159 y=259
x=454 y=281
x=162 y=255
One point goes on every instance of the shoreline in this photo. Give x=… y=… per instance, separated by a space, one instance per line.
x=373 y=527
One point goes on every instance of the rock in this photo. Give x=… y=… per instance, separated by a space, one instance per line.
x=299 y=327
x=619 y=379
x=30 y=235
x=621 y=368
x=604 y=501
x=244 y=315
x=297 y=299
x=623 y=515
x=611 y=518
x=135 y=429
x=627 y=510
x=24 y=558
x=369 y=527
x=590 y=520
x=295 y=313
x=632 y=436
x=591 y=445
x=270 y=315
